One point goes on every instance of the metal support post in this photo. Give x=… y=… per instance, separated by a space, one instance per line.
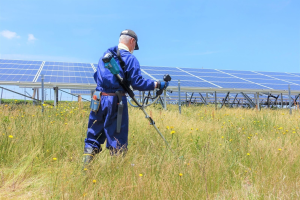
x=33 y=96
x=203 y=99
x=232 y=104
x=179 y=97
x=140 y=97
x=38 y=93
x=186 y=104
x=24 y=95
x=206 y=98
x=257 y=100
x=153 y=94
x=143 y=96
x=191 y=97
x=281 y=100
x=55 y=96
x=225 y=99
x=216 y=100
x=1 y=96
x=165 y=99
x=42 y=80
x=290 y=100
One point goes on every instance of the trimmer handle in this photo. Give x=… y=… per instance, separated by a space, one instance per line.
x=166 y=78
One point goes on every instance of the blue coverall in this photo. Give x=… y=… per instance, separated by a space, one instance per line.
x=106 y=124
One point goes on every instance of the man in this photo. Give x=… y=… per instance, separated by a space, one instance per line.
x=102 y=124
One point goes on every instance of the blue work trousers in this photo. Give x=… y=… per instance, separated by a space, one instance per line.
x=106 y=125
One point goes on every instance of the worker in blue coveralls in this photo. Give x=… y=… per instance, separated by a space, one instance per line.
x=102 y=125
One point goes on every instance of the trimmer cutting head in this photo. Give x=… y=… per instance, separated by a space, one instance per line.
x=167 y=78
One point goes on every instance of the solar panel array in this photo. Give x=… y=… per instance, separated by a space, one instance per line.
x=18 y=70
x=82 y=73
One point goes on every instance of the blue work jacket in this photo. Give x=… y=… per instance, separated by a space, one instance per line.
x=107 y=82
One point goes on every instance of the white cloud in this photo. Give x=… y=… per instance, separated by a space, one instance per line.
x=31 y=37
x=9 y=34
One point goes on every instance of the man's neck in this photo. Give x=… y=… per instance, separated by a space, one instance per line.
x=123 y=46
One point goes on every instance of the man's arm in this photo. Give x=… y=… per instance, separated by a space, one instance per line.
x=135 y=77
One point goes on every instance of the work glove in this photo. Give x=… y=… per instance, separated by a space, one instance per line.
x=162 y=85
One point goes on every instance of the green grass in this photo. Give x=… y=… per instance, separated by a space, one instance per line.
x=224 y=154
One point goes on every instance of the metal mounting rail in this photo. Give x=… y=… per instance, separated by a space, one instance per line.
x=94 y=68
x=251 y=103
x=39 y=72
x=225 y=99
x=73 y=94
x=25 y=95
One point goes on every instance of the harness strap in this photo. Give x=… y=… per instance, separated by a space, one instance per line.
x=122 y=63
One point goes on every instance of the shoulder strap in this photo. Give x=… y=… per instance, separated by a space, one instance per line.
x=122 y=63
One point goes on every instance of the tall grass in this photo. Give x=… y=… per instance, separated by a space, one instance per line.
x=224 y=154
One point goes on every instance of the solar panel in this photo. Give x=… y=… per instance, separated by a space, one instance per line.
x=197 y=70
x=241 y=85
x=273 y=73
x=216 y=74
x=267 y=81
x=18 y=70
x=187 y=83
x=63 y=72
x=295 y=74
x=283 y=86
x=227 y=79
x=251 y=76
x=235 y=72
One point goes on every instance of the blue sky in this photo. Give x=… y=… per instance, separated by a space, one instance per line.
x=220 y=34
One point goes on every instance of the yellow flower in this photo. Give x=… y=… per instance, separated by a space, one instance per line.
x=32 y=115
x=140 y=175
x=94 y=181
x=44 y=104
x=10 y=136
x=180 y=174
x=222 y=136
x=279 y=149
x=248 y=154
x=191 y=128
x=54 y=159
x=172 y=132
x=66 y=123
x=168 y=127
x=85 y=169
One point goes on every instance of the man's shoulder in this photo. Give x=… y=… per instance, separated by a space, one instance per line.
x=128 y=56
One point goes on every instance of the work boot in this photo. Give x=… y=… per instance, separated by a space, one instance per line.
x=88 y=156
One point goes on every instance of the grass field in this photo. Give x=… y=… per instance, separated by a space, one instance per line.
x=224 y=154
